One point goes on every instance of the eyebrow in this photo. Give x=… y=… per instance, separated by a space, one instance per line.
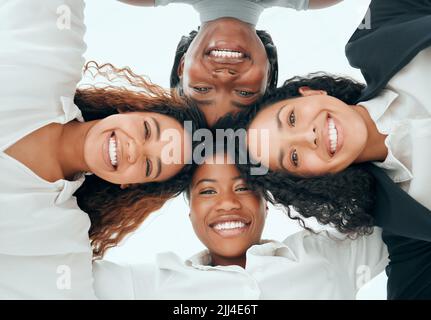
x=240 y=105
x=214 y=180
x=203 y=102
x=203 y=180
x=280 y=159
x=236 y=104
x=157 y=129
x=277 y=117
x=159 y=168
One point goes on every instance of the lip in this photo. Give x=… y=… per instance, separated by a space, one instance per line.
x=223 y=45
x=339 y=136
x=229 y=233
x=105 y=152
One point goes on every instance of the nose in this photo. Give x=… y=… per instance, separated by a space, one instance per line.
x=132 y=151
x=225 y=74
x=228 y=202
x=301 y=137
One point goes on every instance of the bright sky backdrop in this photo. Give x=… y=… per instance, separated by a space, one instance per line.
x=145 y=40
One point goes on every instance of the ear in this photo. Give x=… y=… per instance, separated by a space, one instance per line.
x=266 y=208
x=307 y=91
x=180 y=69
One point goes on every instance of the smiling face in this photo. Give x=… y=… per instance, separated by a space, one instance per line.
x=127 y=148
x=225 y=68
x=226 y=215
x=311 y=135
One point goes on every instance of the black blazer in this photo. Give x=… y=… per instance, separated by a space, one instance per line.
x=400 y=29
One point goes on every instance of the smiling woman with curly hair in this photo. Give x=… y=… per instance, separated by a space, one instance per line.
x=329 y=154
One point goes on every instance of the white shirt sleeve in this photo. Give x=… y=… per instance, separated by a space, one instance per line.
x=293 y=4
x=41 y=60
x=122 y=281
x=362 y=258
x=66 y=276
x=166 y=2
x=113 y=281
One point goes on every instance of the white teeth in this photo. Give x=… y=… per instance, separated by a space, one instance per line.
x=226 y=54
x=333 y=135
x=113 y=151
x=229 y=225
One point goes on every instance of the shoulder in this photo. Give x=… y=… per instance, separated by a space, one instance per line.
x=47 y=58
x=328 y=239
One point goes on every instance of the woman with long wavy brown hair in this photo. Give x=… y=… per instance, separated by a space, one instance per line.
x=116 y=210
x=133 y=139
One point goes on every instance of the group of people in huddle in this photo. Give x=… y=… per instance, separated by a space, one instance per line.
x=83 y=166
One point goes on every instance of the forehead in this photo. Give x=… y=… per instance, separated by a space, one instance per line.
x=216 y=167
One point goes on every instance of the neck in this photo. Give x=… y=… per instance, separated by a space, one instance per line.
x=71 y=148
x=220 y=23
x=228 y=261
x=375 y=148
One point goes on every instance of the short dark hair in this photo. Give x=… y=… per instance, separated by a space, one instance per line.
x=270 y=48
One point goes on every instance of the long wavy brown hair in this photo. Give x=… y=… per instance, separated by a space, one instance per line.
x=116 y=212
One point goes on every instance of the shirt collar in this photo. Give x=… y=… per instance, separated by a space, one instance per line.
x=202 y=260
x=376 y=107
x=272 y=249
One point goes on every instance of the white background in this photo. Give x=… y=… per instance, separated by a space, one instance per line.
x=145 y=40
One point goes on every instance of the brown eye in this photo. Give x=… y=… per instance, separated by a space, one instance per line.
x=242 y=188
x=147 y=130
x=207 y=191
x=244 y=93
x=294 y=158
x=201 y=89
x=292 y=118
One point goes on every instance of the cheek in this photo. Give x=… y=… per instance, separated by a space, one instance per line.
x=199 y=208
x=312 y=164
x=258 y=76
x=192 y=71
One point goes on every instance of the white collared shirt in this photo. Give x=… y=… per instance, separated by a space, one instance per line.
x=304 y=266
x=45 y=251
x=403 y=112
x=245 y=10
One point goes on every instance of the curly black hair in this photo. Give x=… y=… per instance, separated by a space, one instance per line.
x=265 y=37
x=343 y=200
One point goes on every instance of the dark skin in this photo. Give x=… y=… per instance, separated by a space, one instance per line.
x=226 y=215
x=225 y=84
